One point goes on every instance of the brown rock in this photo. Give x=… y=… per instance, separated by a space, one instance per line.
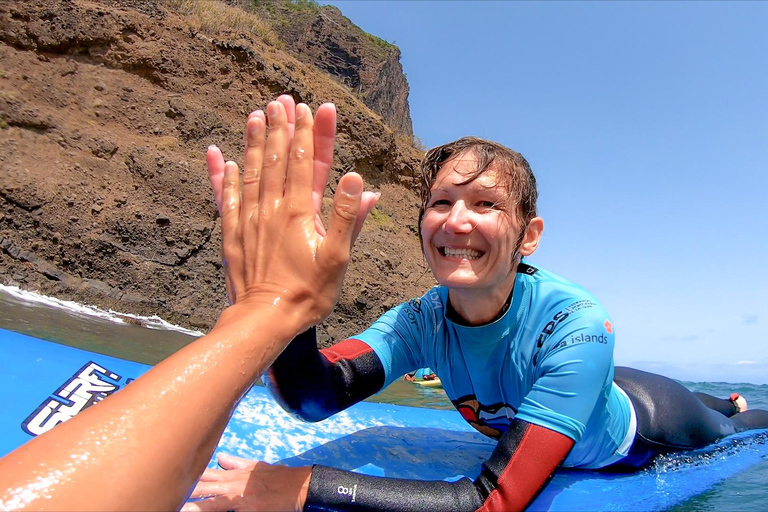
x=64 y=171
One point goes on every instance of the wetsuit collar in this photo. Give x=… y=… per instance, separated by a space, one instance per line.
x=452 y=315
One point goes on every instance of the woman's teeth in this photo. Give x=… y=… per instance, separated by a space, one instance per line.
x=469 y=254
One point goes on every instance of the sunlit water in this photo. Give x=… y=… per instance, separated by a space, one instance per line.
x=149 y=340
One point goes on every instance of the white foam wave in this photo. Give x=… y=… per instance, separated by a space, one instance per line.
x=151 y=322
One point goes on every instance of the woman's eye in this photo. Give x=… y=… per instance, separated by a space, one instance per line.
x=487 y=204
x=441 y=202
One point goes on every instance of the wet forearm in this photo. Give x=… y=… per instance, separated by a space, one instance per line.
x=144 y=447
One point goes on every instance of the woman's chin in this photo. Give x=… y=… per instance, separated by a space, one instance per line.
x=458 y=280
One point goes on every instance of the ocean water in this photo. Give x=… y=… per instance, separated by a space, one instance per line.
x=149 y=340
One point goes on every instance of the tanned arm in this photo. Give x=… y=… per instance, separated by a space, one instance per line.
x=145 y=446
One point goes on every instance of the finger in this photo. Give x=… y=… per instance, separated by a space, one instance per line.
x=227 y=461
x=230 y=233
x=319 y=225
x=192 y=506
x=213 y=504
x=298 y=179
x=254 y=155
x=215 y=161
x=275 y=155
x=255 y=113
x=367 y=204
x=212 y=475
x=324 y=138
x=230 y=197
x=290 y=111
x=346 y=208
x=205 y=489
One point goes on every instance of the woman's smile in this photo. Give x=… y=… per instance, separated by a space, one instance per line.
x=468 y=233
x=462 y=254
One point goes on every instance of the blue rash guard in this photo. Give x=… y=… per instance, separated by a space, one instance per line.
x=548 y=360
x=539 y=378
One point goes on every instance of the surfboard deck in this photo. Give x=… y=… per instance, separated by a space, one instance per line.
x=47 y=383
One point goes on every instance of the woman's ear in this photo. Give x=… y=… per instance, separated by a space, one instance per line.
x=531 y=237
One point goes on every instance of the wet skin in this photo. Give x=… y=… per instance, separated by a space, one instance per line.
x=145 y=446
x=470 y=235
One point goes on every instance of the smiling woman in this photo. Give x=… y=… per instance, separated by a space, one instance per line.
x=471 y=236
x=526 y=357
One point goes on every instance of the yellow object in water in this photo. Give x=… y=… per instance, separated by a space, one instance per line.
x=434 y=383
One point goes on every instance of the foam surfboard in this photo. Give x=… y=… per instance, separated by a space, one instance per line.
x=45 y=383
x=434 y=383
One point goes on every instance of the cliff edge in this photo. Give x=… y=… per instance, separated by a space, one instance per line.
x=106 y=110
x=322 y=37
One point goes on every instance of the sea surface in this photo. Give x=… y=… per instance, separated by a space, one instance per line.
x=149 y=340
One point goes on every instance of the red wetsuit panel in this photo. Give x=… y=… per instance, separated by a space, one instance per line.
x=347 y=349
x=331 y=380
x=533 y=461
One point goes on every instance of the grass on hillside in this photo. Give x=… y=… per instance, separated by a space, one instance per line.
x=214 y=18
x=383 y=220
x=380 y=42
x=303 y=4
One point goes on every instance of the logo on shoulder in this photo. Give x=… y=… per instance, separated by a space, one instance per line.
x=608 y=327
x=415 y=304
x=582 y=304
x=576 y=339
x=434 y=299
x=91 y=384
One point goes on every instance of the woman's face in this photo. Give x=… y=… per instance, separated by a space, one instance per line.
x=468 y=231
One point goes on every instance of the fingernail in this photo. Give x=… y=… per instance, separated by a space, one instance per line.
x=272 y=109
x=230 y=170
x=377 y=195
x=254 y=126
x=355 y=188
x=212 y=147
x=301 y=109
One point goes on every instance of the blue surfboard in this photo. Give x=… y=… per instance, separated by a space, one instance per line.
x=45 y=384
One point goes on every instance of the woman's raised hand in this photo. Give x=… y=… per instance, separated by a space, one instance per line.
x=276 y=252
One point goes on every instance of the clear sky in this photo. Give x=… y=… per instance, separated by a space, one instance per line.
x=646 y=124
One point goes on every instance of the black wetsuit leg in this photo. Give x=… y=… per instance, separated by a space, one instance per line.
x=721 y=405
x=747 y=420
x=670 y=418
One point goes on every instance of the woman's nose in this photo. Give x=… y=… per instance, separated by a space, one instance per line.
x=459 y=219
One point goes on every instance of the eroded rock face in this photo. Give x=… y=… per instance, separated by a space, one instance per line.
x=369 y=66
x=106 y=110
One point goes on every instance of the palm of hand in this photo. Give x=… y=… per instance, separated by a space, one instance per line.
x=274 y=241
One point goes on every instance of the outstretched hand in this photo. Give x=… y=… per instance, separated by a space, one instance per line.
x=248 y=485
x=273 y=246
x=324 y=135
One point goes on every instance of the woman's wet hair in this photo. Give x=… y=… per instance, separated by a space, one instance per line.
x=514 y=171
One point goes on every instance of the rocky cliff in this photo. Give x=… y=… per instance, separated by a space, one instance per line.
x=322 y=37
x=106 y=110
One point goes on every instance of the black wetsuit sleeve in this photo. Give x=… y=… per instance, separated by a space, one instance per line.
x=315 y=384
x=521 y=464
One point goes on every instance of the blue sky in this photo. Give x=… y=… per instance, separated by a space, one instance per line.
x=647 y=126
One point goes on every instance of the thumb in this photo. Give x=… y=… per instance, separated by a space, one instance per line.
x=368 y=202
x=231 y=462
x=341 y=227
